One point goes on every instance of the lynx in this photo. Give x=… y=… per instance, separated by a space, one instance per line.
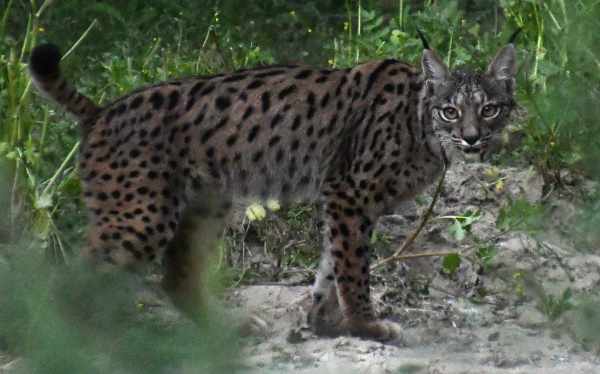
x=161 y=165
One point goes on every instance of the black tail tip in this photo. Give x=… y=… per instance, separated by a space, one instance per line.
x=423 y=39
x=45 y=60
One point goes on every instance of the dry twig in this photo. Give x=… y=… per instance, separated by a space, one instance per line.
x=397 y=256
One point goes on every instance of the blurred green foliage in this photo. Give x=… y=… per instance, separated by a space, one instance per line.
x=70 y=320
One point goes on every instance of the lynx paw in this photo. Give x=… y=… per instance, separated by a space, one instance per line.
x=325 y=318
x=335 y=325
x=379 y=330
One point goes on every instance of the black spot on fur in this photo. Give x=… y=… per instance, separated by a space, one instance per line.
x=136 y=102
x=248 y=112
x=287 y=91
x=297 y=122
x=325 y=100
x=207 y=90
x=235 y=78
x=222 y=103
x=231 y=140
x=276 y=120
x=266 y=101
x=255 y=84
x=303 y=74
x=157 y=100
x=196 y=88
x=253 y=133
x=173 y=100
x=274 y=140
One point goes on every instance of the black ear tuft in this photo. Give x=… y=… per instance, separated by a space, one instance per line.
x=44 y=61
x=423 y=39
x=513 y=37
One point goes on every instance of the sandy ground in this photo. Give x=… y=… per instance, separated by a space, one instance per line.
x=473 y=340
x=444 y=330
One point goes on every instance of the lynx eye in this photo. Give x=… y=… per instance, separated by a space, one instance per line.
x=490 y=110
x=449 y=114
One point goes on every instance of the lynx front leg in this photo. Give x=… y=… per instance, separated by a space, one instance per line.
x=345 y=261
x=325 y=315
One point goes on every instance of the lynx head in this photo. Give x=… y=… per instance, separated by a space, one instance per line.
x=467 y=108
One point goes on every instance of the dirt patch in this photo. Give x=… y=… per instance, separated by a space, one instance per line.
x=491 y=317
x=450 y=336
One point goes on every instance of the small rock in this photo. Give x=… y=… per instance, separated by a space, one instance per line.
x=533 y=187
x=518 y=243
x=295 y=336
x=494 y=336
x=562 y=358
x=531 y=318
x=506 y=361
x=536 y=356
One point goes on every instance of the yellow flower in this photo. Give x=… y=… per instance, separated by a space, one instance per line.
x=273 y=205
x=492 y=172
x=256 y=212
x=499 y=187
x=41 y=29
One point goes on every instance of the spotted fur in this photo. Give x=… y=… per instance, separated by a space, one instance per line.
x=161 y=165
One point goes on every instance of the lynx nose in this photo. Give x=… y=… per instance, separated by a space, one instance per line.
x=471 y=139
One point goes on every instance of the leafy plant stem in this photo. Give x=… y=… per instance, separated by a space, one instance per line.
x=60 y=169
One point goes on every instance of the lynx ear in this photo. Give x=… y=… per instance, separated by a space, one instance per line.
x=504 y=65
x=433 y=67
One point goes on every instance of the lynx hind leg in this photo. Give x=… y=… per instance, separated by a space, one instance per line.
x=190 y=251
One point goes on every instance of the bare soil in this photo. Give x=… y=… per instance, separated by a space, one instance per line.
x=479 y=320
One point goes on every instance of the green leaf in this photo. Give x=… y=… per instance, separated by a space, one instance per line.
x=486 y=253
x=451 y=263
x=71 y=185
x=567 y=295
x=457 y=231
x=469 y=218
x=521 y=215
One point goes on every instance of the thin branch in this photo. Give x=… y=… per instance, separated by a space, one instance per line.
x=60 y=169
x=80 y=40
x=424 y=254
x=409 y=241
